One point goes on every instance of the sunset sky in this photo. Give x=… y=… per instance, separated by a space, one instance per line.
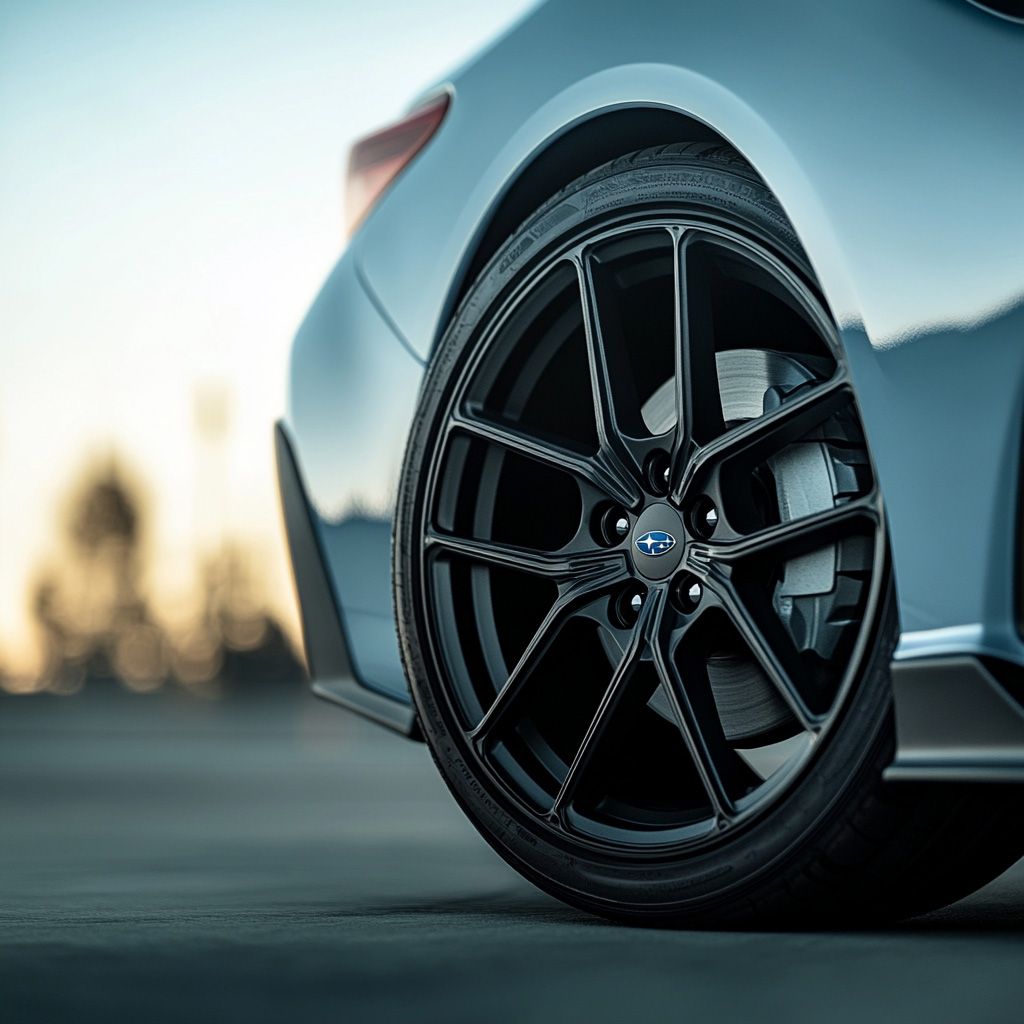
x=170 y=201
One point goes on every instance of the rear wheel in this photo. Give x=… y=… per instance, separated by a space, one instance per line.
x=641 y=567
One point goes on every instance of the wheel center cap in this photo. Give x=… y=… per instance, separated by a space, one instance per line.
x=657 y=544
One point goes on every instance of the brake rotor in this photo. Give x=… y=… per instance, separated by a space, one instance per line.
x=804 y=479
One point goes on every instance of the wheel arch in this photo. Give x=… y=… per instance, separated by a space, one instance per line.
x=561 y=159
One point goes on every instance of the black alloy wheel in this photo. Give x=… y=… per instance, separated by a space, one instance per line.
x=640 y=551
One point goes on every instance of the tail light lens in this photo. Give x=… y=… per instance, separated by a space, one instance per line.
x=376 y=160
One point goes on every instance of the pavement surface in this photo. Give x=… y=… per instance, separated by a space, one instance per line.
x=273 y=859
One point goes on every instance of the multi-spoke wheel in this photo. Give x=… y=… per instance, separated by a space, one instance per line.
x=640 y=553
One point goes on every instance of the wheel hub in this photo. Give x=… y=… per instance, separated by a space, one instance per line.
x=658 y=543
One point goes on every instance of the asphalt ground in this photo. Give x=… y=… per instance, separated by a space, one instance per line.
x=275 y=859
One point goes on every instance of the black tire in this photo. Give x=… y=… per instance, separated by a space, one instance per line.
x=839 y=845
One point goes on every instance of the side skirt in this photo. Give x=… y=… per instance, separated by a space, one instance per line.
x=958 y=719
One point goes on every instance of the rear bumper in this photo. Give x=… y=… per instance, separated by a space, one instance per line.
x=352 y=391
x=328 y=653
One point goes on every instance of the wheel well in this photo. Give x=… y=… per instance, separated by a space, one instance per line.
x=578 y=150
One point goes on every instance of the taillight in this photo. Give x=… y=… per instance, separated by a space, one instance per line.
x=375 y=161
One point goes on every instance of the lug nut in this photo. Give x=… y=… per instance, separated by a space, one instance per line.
x=704 y=517
x=611 y=525
x=625 y=608
x=658 y=470
x=687 y=592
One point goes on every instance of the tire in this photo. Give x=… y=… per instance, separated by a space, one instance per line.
x=820 y=839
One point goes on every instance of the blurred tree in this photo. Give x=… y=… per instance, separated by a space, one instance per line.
x=95 y=620
x=98 y=626
x=233 y=638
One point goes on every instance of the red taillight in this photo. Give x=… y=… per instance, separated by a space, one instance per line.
x=375 y=161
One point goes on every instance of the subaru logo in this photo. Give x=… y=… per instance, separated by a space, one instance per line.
x=655 y=542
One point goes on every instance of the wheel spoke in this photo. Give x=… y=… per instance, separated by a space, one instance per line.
x=556 y=565
x=765 y=637
x=616 y=405
x=791 y=538
x=595 y=470
x=569 y=601
x=698 y=402
x=697 y=717
x=564 y=607
x=639 y=643
x=765 y=435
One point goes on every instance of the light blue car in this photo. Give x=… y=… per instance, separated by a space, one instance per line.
x=654 y=450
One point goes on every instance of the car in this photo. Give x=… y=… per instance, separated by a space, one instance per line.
x=653 y=453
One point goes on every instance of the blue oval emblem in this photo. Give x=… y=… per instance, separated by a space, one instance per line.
x=655 y=542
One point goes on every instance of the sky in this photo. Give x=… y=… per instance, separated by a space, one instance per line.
x=170 y=202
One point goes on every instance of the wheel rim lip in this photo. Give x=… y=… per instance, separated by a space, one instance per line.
x=475 y=350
